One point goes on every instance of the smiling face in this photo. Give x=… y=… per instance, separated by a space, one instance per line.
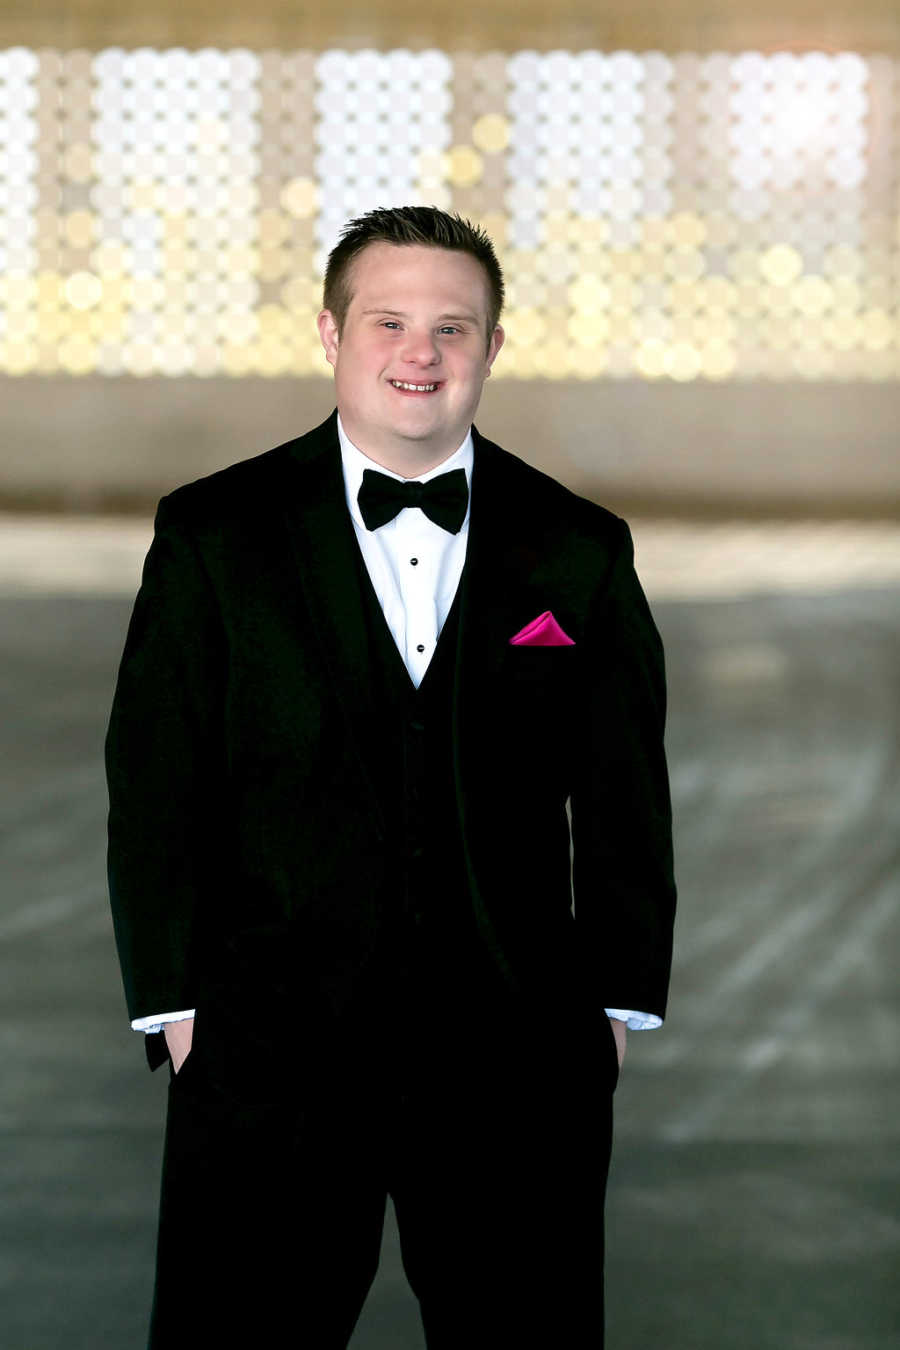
x=412 y=357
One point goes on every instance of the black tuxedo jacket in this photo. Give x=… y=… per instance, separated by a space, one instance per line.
x=245 y=835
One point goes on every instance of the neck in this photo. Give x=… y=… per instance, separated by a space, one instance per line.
x=408 y=458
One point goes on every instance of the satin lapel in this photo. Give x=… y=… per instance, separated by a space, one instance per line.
x=496 y=599
x=324 y=546
x=495 y=579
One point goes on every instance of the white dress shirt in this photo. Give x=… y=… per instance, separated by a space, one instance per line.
x=415 y=567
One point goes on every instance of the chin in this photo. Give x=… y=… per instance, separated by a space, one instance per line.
x=422 y=434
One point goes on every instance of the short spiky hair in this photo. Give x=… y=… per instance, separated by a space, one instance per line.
x=401 y=225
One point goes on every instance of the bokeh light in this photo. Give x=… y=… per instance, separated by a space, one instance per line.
x=663 y=217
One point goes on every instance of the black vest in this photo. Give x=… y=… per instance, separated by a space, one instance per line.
x=431 y=976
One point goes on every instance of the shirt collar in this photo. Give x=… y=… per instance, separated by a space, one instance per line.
x=354 y=462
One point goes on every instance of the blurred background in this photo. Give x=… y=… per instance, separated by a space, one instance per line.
x=697 y=206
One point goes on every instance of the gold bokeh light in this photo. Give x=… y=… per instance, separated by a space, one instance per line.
x=661 y=217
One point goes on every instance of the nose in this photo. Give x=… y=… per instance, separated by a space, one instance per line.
x=420 y=348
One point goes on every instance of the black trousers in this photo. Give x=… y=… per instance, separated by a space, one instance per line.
x=494 y=1147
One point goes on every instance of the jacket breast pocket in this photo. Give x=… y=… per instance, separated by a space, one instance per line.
x=538 y=708
x=540 y=666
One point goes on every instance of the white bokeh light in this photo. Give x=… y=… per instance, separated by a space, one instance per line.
x=378 y=114
x=677 y=216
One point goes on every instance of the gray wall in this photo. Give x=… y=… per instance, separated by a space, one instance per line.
x=95 y=443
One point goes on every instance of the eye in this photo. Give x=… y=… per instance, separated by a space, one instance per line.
x=390 y=323
x=448 y=328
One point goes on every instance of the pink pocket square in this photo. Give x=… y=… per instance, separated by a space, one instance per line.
x=543 y=631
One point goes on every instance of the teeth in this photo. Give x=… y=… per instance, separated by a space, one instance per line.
x=419 y=388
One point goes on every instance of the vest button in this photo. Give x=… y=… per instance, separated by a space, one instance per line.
x=420 y=647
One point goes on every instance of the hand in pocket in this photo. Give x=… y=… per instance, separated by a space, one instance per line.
x=178 y=1038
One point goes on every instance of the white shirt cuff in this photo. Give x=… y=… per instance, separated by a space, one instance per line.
x=158 y=1020
x=635 y=1021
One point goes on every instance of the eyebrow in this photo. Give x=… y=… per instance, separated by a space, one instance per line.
x=442 y=318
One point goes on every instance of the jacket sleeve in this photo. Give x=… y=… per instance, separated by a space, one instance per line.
x=164 y=764
x=623 y=881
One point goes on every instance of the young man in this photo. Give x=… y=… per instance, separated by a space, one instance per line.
x=365 y=675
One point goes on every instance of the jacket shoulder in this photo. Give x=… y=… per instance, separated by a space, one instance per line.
x=230 y=490
x=555 y=506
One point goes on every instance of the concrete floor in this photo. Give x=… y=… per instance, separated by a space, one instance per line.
x=754 y=1198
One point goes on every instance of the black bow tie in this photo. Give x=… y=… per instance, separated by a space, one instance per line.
x=443 y=499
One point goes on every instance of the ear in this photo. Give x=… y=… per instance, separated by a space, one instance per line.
x=498 y=337
x=328 y=332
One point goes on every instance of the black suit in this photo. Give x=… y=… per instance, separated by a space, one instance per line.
x=252 y=866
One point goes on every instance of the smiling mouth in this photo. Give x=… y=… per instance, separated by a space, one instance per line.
x=407 y=387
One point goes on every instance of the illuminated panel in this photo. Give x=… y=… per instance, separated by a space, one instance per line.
x=381 y=129
x=659 y=216
x=19 y=209
x=176 y=138
x=382 y=123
